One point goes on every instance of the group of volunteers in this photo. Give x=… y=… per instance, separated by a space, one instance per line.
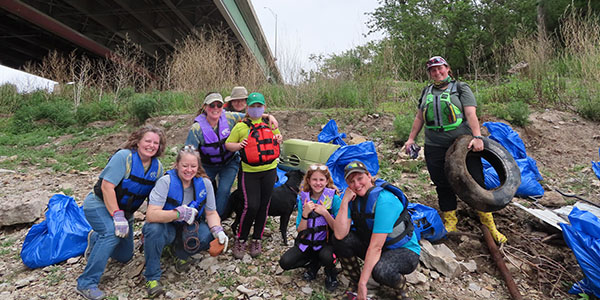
x=369 y=220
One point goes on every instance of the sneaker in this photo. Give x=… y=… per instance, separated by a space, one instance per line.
x=309 y=275
x=255 y=248
x=154 y=288
x=182 y=265
x=90 y=245
x=239 y=249
x=331 y=282
x=92 y=293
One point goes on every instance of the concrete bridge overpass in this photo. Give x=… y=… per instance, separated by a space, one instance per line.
x=29 y=29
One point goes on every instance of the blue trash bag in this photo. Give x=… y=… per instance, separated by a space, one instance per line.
x=596 y=166
x=364 y=152
x=330 y=134
x=583 y=237
x=530 y=175
x=427 y=222
x=62 y=235
x=281 y=178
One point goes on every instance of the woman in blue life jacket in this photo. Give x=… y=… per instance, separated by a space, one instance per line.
x=377 y=229
x=182 y=213
x=456 y=117
x=258 y=144
x=208 y=134
x=122 y=187
x=318 y=204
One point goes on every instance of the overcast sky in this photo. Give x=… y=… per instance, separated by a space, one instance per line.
x=314 y=27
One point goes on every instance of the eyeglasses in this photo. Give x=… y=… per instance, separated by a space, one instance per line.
x=216 y=104
x=318 y=167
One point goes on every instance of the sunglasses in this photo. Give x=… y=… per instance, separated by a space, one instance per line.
x=216 y=104
x=188 y=148
x=318 y=167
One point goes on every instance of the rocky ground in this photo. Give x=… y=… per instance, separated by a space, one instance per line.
x=543 y=267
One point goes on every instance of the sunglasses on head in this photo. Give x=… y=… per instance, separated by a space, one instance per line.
x=216 y=104
x=318 y=167
x=188 y=148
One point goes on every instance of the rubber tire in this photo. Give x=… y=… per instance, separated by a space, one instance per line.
x=467 y=189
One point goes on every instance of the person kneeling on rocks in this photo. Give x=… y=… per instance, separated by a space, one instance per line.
x=377 y=229
x=318 y=204
x=181 y=213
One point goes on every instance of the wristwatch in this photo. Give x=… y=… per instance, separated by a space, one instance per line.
x=478 y=137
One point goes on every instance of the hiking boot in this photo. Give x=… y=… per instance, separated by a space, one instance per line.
x=239 y=249
x=182 y=265
x=90 y=245
x=255 y=248
x=331 y=282
x=92 y=293
x=309 y=275
x=154 y=288
x=487 y=219
x=400 y=289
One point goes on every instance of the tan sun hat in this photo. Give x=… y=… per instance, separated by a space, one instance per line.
x=238 y=93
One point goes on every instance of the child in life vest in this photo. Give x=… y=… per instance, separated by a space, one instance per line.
x=318 y=204
x=258 y=144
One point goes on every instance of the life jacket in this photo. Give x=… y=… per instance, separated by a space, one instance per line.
x=212 y=151
x=364 y=216
x=439 y=113
x=132 y=192
x=262 y=147
x=175 y=195
x=316 y=232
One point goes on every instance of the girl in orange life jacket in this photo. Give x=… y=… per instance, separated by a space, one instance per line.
x=318 y=204
x=439 y=137
x=122 y=187
x=258 y=144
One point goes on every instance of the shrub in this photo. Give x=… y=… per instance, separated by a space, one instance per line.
x=40 y=112
x=9 y=98
x=96 y=111
x=518 y=113
x=141 y=108
x=402 y=126
x=589 y=108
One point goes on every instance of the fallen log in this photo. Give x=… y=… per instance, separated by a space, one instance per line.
x=497 y=257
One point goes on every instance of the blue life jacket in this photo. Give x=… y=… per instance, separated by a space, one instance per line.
x=175 y=195
x=316 y=232
x=212 y=151
x=363 y=217
x=131 y=192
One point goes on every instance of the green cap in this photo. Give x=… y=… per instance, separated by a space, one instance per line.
x=255 y=98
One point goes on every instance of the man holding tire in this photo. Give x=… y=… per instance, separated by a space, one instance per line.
x=447 y=110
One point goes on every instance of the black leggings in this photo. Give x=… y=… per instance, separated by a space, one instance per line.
x=391 y=265
x=295 y=258
x=257 y=188
x=436 y=158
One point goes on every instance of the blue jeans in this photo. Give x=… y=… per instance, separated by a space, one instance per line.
x=159 y=235
x=227 y=174
x=104 y=242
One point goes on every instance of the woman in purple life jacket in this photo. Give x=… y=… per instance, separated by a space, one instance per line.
x=211 y=128
x=318 y=203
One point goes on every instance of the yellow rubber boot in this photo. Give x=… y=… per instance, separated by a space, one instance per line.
x=488 y=220
x=450 y=220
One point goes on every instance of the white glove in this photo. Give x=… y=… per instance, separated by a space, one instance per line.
x=223 y=240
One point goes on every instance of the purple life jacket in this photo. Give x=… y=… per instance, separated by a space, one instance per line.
x=315 y=234
x=212 y=151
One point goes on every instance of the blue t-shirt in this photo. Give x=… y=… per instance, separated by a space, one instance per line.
x=387 y=211
x=335 y=207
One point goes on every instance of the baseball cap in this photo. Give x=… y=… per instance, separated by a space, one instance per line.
x=436 y=61
x=212 y=97
x=255 y=98
x=354 y=167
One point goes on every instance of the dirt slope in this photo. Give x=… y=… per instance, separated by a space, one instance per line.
x=562 y=143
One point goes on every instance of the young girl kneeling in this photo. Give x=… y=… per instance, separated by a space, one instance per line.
x=318 y=204
x=258 y=144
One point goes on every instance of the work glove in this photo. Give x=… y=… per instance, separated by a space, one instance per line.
x=186 y=214
x=413 y=151
x=121 y=224
x=218 y=233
